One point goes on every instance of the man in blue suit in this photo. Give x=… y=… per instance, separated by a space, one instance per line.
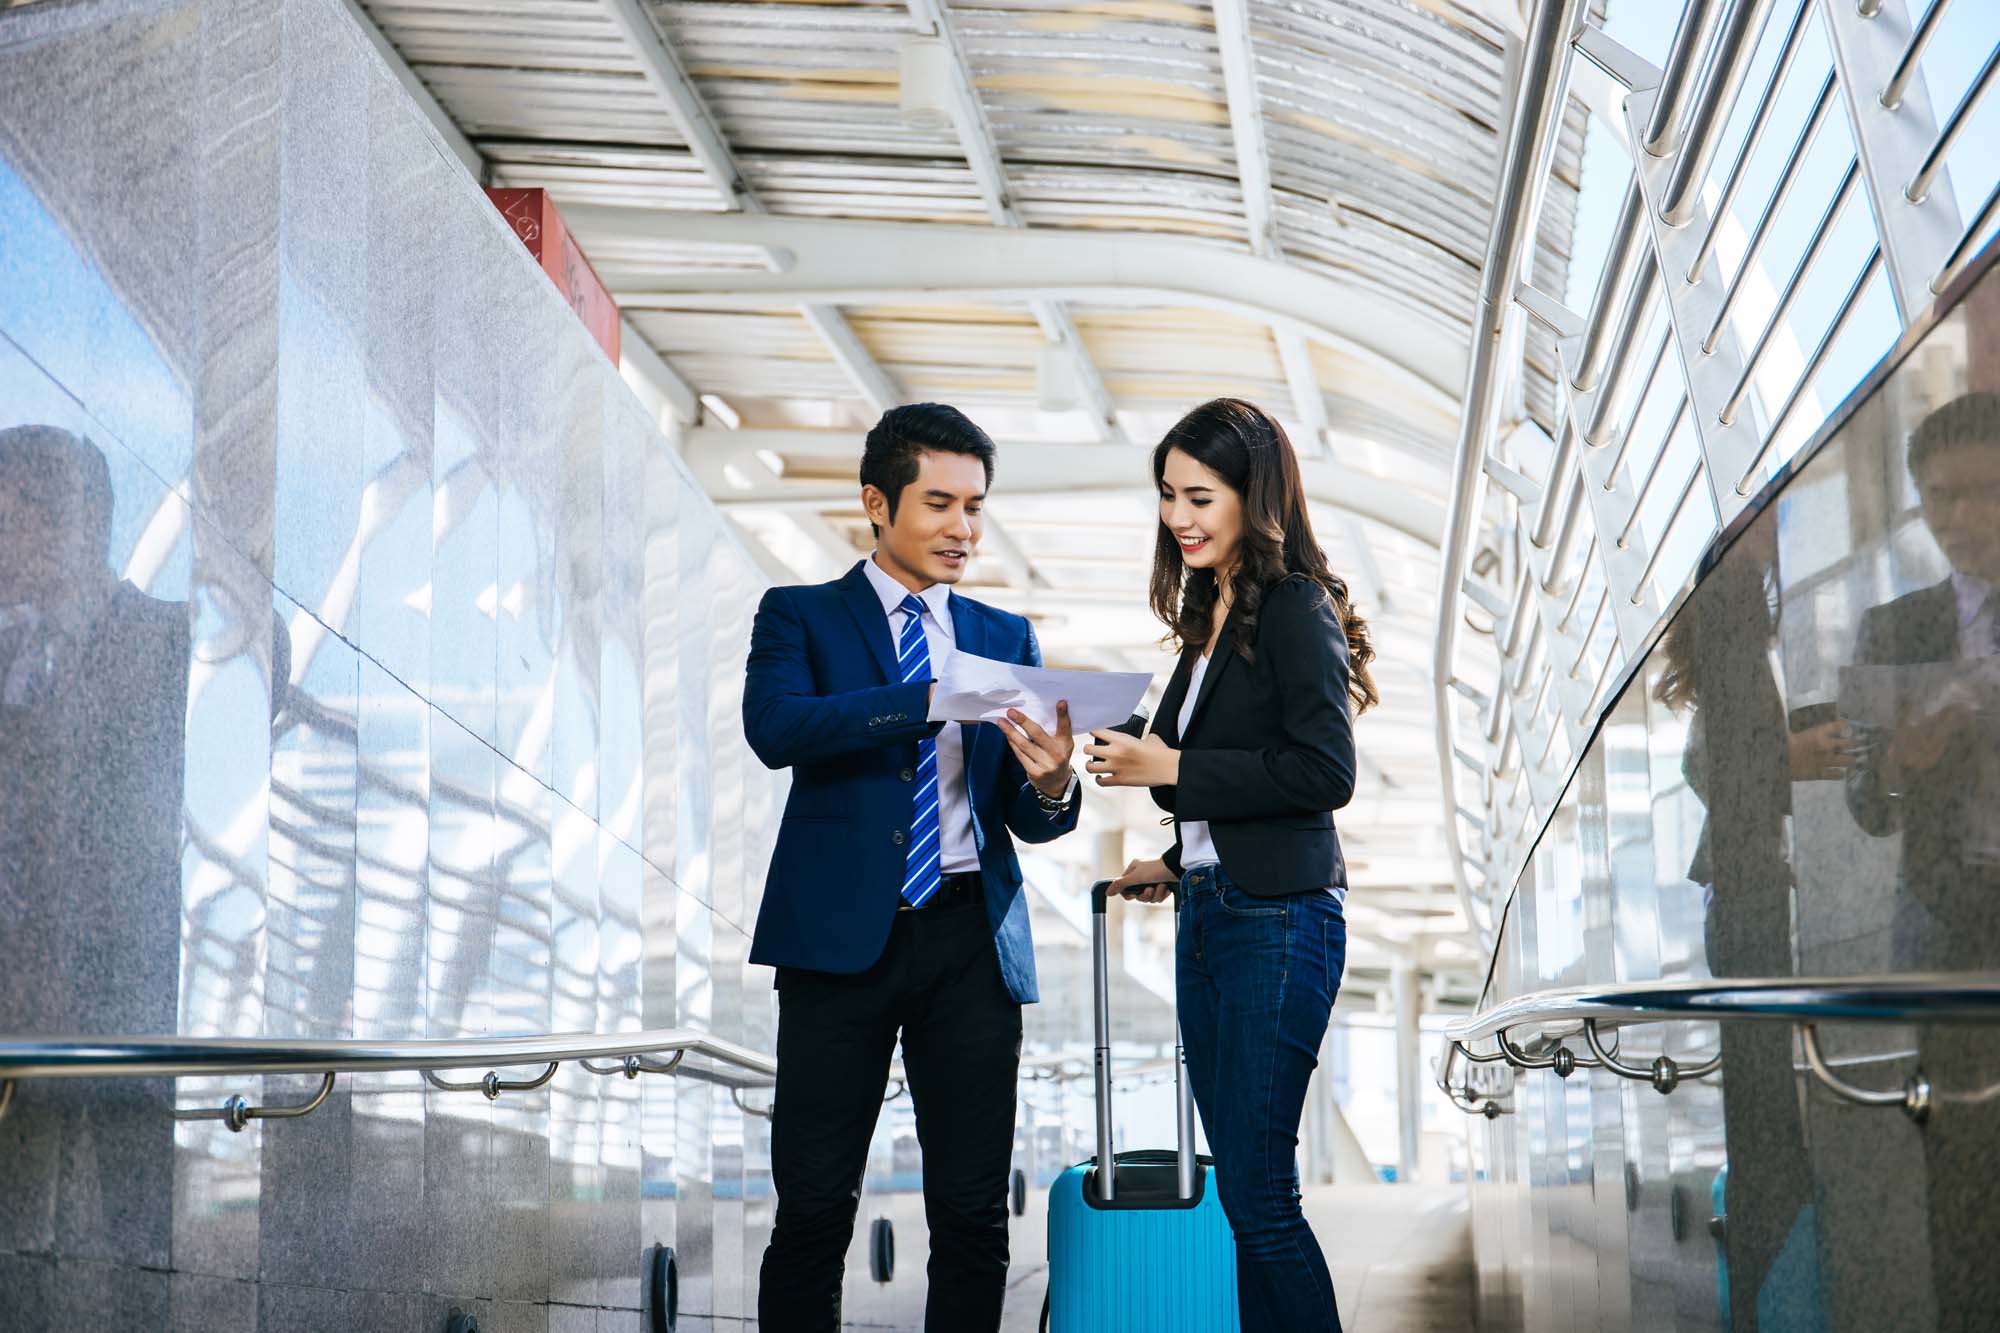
x=894 y=901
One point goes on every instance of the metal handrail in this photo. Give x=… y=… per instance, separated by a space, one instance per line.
x=631 y=1053
x=1530 y=139
x=1804 y=1002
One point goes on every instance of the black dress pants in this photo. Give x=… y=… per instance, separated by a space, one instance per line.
x=938 y=983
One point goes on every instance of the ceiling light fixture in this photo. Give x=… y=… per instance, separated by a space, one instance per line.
x=722 y=411
x=1056 y=387
x=925 y=64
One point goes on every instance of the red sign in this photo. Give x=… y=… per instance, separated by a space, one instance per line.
x=532 y=215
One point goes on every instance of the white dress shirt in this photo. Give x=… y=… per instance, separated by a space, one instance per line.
x=1975 y=616
x=1197 y=847
x=958 y=849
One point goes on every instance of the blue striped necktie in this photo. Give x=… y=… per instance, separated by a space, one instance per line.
x=922 y=868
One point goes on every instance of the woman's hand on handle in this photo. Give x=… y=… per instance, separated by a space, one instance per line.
x=1145 y=882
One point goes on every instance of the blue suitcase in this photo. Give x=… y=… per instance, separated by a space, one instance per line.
x=1146 y=1249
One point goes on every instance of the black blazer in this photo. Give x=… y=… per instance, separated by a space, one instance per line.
x=1917 y=628
x=1269 y=752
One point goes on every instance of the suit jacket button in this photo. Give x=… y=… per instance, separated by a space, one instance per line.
x=908 y=775
x=897 y=837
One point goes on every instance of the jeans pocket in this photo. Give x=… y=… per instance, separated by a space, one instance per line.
x=1237 y=902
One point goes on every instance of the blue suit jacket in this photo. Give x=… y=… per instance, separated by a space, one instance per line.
x=822 y=700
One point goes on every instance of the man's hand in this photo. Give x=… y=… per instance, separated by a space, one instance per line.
x=1043 y=757
x=1919 y=745
x=1118 y=760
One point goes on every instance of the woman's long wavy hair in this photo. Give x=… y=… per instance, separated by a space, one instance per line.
x=1247 y=449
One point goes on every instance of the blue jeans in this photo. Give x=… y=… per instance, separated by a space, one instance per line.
x=1256 y=979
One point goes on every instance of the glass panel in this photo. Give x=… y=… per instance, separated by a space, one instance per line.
x=1802 y=778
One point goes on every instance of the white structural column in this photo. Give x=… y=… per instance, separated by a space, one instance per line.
x=1405 y=997
x=982 y=154
x=666 y=75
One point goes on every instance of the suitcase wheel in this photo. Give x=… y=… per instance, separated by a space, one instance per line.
x=882 y=1249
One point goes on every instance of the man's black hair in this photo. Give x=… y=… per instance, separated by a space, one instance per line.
x=889 y=459
x=1970 y=418
x=64 y=475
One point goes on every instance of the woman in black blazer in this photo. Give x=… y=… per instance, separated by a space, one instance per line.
x=1252 y=751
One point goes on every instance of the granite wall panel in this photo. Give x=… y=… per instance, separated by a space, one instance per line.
x=379 y=680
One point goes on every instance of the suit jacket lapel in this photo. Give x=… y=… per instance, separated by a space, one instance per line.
x=1218 y=663
x=866 y=608
x=1937 y=635
x=1167 y=722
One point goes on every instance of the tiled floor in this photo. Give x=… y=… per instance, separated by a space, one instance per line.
x=1401 y=1257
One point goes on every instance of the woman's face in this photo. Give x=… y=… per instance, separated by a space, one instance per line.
x=1202 y=512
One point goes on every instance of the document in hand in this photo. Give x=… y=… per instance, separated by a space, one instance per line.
x=978 y=689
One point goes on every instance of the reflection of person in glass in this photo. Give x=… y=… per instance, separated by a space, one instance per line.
x=1933 y=774
x=1744 y=752
x=93 y=696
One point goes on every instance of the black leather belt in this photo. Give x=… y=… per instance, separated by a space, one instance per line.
x=953 y=891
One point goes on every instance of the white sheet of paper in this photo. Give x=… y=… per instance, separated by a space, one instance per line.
x=979 y=689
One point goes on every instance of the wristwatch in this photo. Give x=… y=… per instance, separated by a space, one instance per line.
x=1054 y=804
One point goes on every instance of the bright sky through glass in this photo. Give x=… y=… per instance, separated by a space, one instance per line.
x=1965 y=38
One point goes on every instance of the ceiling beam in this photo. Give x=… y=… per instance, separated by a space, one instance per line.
x=869 y=379
x=661 y=66
x=1028 y=467
x=968 y=114
x=668 y=77
x=1246 y=121
x=982 y=155
x=843 y=261
x=637 y=355
x=1253 y=174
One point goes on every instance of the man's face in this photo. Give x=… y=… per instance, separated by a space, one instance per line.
x=32 y=547
x=1960 y=491
x=937 y=523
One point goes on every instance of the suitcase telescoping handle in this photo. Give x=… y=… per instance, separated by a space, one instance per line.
x=1100 y=946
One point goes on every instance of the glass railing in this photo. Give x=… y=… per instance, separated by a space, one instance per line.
x=1794 y=786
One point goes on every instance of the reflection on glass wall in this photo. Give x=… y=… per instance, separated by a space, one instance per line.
x=361 y=675
x=1802 y=778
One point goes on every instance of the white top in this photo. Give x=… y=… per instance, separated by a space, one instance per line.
x=959 y=850
x=1197 y=848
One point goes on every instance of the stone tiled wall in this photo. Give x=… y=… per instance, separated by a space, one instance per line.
x=401 y=701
